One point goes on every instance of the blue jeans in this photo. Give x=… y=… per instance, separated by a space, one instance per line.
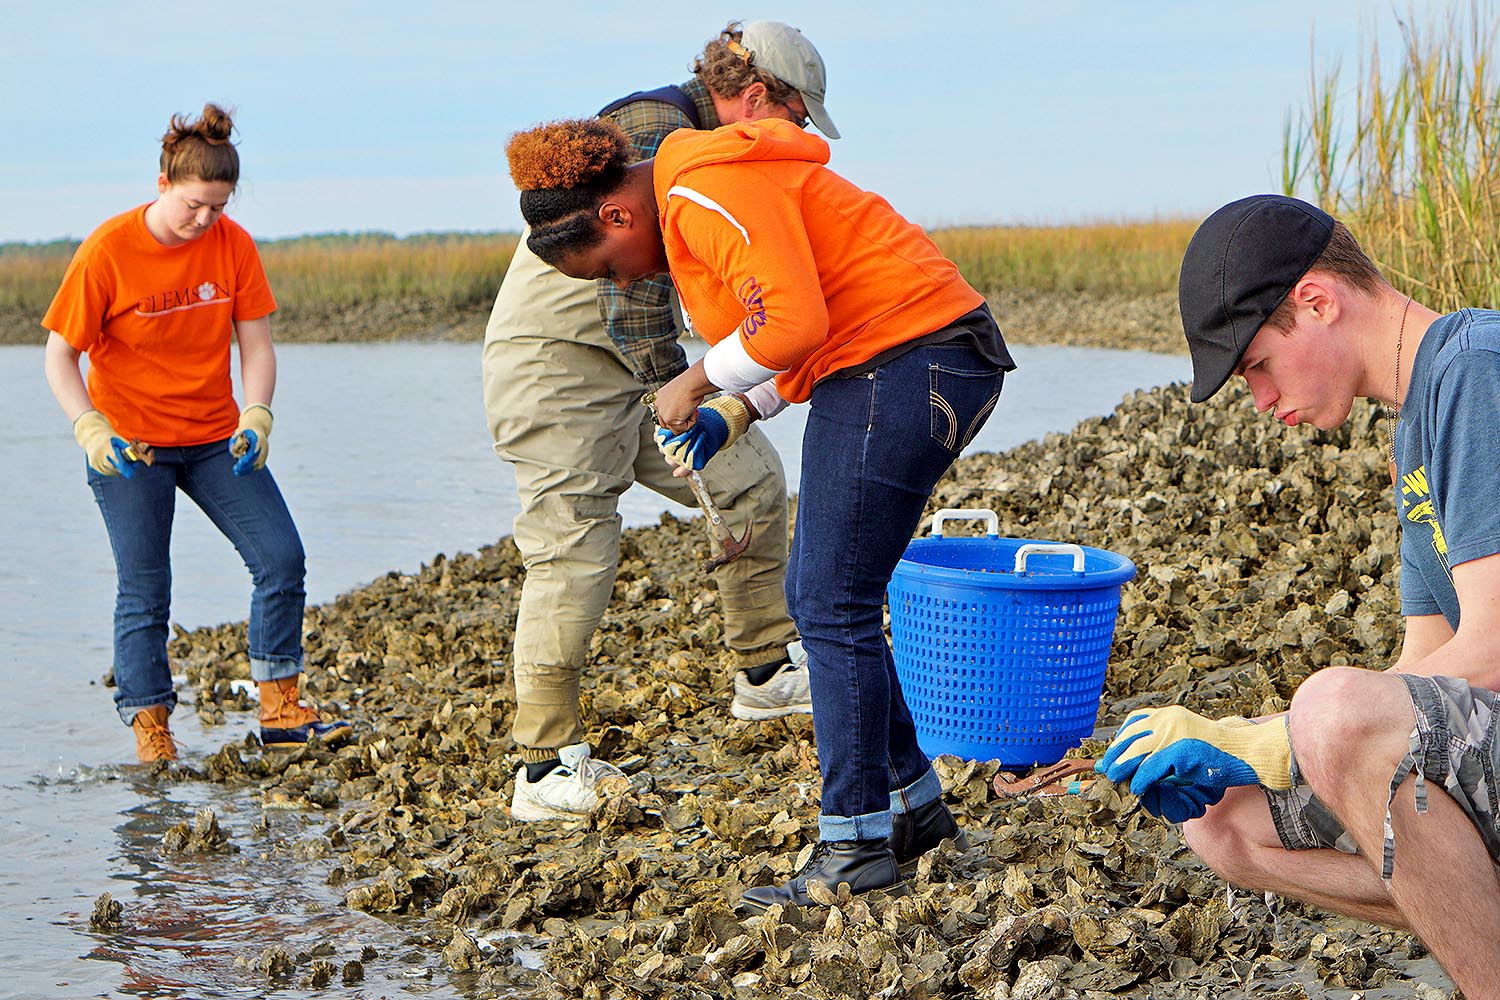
x=250 y=512
x=874 y=447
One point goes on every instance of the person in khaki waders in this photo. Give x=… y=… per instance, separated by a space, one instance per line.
x=565 y=366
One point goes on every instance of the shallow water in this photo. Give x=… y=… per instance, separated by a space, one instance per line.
x=382 y=453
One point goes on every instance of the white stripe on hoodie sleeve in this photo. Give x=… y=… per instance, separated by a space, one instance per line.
x=699 y=198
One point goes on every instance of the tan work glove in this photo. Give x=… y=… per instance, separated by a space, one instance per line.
x=1179 y=763
x=252 y=441
x=109 y=454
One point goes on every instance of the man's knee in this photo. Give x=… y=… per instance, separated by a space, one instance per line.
x=558 y=526
x=1331 y=694
x=1343 y=714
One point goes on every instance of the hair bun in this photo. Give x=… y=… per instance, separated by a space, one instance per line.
x=566 y=154
x=214 y=127
x=200 y=148
x=215 y=124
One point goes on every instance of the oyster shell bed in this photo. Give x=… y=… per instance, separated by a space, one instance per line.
x=1146 y=321
x=1263 y=554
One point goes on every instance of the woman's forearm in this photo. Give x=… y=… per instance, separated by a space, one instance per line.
x=257 y=361
x=61 y=365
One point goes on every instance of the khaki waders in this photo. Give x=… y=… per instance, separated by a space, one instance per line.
x=565 y=411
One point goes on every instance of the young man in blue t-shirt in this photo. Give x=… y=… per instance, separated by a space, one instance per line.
x=1375 y=795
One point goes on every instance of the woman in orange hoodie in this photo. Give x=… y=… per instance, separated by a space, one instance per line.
x=810 y=290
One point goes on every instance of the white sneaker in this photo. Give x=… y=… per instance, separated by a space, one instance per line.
x=785 y=693
x=566 y=792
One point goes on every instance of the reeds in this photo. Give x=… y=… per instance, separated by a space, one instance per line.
x=1115 y=258
x=29 y=275
x=314 y=273
x=326 y=274
x=1410 y=163
x=367 y=286
x=376 y=286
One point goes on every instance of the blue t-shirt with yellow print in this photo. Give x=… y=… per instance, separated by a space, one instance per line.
x=1448 y=459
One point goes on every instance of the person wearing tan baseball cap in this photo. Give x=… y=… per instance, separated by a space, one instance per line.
x=786 y=54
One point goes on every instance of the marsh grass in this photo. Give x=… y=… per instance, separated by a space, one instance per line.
x=368 y=286
x=376 y=287
x=1408 y=156
x=1116 y=258
x=318 y=274
x=29 y=275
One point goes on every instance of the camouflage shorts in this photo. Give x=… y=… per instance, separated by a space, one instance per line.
x=1453 y=744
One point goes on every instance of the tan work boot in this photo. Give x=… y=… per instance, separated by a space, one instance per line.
x=286 y=722
x=153 y=740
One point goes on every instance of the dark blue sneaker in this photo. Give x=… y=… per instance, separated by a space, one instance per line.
x=286 y=721
x=337 y=731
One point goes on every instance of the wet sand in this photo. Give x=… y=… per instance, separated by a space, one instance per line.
x=1264 y=554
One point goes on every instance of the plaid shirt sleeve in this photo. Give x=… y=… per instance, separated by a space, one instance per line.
x=639 y=319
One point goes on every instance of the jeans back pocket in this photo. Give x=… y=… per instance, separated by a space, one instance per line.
x=960 y=401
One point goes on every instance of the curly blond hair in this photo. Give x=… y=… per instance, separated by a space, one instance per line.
x=726 y=68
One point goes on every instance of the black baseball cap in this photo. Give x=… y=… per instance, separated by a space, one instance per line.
x=1239 y=265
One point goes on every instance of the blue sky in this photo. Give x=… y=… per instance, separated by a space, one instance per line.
x=393 y=116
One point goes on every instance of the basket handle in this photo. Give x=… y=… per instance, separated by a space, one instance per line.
x=1047 y=548
x=991 y=519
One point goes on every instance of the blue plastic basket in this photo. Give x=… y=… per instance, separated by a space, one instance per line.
x=1001 y=643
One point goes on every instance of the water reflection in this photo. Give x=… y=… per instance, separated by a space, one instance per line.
x=197 y=925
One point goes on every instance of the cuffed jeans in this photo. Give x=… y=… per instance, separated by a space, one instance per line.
x=565 y=412
x=251 y=513
x=875 y=446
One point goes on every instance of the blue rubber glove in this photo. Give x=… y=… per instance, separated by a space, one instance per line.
x=1179 y=763
x=1179 y=803
x=720 y=423
x=251 y=443
x=123 y=457
x=109 y=454
x=244 y=464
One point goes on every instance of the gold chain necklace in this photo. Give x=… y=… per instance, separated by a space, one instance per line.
x=1393 y=408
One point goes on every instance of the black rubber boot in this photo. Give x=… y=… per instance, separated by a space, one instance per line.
x=866 y=865
x=915 y=833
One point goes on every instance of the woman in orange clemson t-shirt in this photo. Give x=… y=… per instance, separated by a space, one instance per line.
x=154 y=297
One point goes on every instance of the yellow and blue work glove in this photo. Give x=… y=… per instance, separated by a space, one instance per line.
x=721 y=422
x=1179 y=763
x=251 y=443
x=109 y=454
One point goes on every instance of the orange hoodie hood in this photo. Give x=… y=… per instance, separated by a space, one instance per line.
x=742 y=142
x=808 y=273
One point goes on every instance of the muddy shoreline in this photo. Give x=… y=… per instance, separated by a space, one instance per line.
x=1263 y=554
x=1134 y=322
